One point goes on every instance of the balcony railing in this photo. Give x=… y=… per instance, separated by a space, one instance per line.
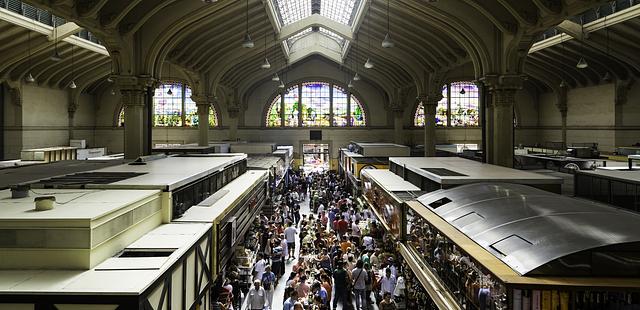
x=43 y=17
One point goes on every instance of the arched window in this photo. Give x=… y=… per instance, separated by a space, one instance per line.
x=316 y=104
x=458 y=107
x=173 y=107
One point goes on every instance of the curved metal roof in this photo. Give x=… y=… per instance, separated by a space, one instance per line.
x=527 y=228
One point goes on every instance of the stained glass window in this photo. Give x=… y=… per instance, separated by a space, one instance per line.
x=121 y=118
x=274 y=117
x=339 y=107
x=167 y=105
x=175 y=108
x=461 y=105
x=316 y=104
x=291 y=107
x=464 y=104
x=441 y=111
x=357 y=113
x=190 y=109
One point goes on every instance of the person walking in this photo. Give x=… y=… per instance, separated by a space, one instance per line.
x=290 y=234
x=387 y=282
x=360 y=278
x=387 y=303
x=269 y=283
x=257 y=297
x=260 y=266
x=340 y=284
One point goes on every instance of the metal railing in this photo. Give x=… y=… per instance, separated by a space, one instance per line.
x=43 y=17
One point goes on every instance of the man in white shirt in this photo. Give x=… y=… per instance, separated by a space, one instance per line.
x=290 y=234
x=387 y=283
x=259 y=267
x=368 y=242
x=257 y=297
x=320 y=208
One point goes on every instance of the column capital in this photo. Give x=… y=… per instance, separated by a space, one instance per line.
x=201 y=99
x=233 y=111
x=503 y=82
x=134 y=83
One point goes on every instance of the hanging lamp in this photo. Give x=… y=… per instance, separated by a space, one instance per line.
x=356 y=77
x=462 y=91
x=582 y=63
x=607 y=76
x=170 y=92
x=113 y=92
x=265 y=63
x=247 y=42
x=72 y=85
x=369 y=63
x=386 y=42
x=29 y=78
x=56 y=55
x=275 y=77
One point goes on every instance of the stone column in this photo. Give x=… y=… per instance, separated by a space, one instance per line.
x=398 y=126
x=502 y=89
x=203 y=105
x=430 y=104
x=234 y=112
x=133 y=90
x=503 y=102
x=562 y=107
x=488 y=131
x=72 y=113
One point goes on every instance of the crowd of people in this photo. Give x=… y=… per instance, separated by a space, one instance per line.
x=344 y=261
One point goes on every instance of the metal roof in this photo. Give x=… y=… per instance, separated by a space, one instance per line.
x=527 y=228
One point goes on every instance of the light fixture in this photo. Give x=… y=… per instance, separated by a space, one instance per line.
x=582 y=63
x=387 y=43
x=170 y=92
x=56 y=56
x=265 y=64
x=275 y=77
x=281 y=85
x=247 y=42
x=350 y=85
x=72 y=85
x=607 y=76
x=109 y=79
x=462 y=91
x=356 y=77
x=113 y=92
x=209 y=1
x=29 y=78
x=368 y=64
x=563 y=84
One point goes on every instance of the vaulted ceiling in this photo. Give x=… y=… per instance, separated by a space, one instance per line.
x=204 y=39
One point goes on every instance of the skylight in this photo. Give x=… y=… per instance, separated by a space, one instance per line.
x=341 y=11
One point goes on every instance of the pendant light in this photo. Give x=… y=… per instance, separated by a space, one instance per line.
x=563 y=84
x=29 y=78
x=247 y=42
x=109 y=78
x=170 y=92
x=356 y=77
x=369 y=63
x=386 y=42
x=462 y=91
x=113 y=92
x=607 y=76
x=275 y=77
x=265 y=64
x=72 y=85
x=56 y=56
x=582 y=63
x=350 y=85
